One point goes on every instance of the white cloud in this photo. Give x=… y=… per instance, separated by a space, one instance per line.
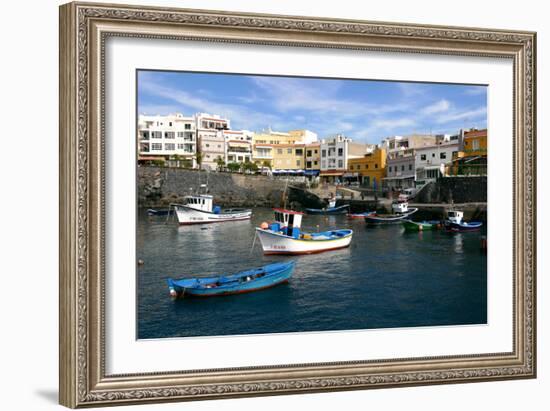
x=437 y=107
x=468 y=116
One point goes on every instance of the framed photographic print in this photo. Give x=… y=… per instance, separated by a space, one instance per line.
x=259 y=204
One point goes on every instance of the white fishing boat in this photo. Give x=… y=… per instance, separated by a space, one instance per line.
x=284 y=236
x=400 y=211
x=200 y=209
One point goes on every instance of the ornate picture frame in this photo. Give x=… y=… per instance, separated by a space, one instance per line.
x=84 y=29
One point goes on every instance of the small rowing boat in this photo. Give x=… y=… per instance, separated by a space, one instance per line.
x=331 y=209
x=420 y=225
x=246 y=281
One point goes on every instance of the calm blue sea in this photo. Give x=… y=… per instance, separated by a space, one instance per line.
x=387 y=278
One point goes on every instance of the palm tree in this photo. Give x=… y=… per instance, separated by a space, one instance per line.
x=199 y=156
x=220 y=162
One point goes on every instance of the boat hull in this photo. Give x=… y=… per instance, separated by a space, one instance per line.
x=234 y=284
x=275 y=243
x=187 y=216
x=462 y=227
x=419 y=226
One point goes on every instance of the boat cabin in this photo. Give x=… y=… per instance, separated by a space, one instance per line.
x=287 y=221
x=455 y=216
x=288 y=218
x=400 y=207
x=201 y=202
x=332 y=203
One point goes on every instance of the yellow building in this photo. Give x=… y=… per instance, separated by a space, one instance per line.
x=262 y=145
x=475 y=143
x=313 y=156
x=288 y=157
x=369 y=169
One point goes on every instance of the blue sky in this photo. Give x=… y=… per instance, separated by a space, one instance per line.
x=364 y=110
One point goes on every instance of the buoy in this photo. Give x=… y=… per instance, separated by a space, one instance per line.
x=173 y=293
x=264 y=226
x=141 y=262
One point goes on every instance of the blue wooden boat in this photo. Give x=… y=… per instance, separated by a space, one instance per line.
x=343 y=209
x=243 y=282
x=454 y=222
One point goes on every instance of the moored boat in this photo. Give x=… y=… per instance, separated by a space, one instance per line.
x=331 y=209
x=284 y=236
x=455 y=222
x=361 y=215
x=243 y=282
x=411 y=225
x=199 y=209
x=400 y=210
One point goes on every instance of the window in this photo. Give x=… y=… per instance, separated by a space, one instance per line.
x=180 y=146
x=340 y=163
x=410 y=167
x=279 y=151
x=455 y=154
x=433 y=155
x=351 y=166
x=299 y=152
x=156 y=134
x=423 y=157
x=180 y=134
x=170 y=124
x=156 y=147
x=390 y=169
x=308 y=164
x=298 y=163
x=145 y=135
x=340 y=152
x=188 y=126
x=442 y=155
x=169 y=146
x=366 y=166
x=323 y=153
x=289 y=151
x=358 y=166
x=207 y=145
x=169 y=134
x=308 y=153
x=403 y=167
x=315 y=162
x=315 y=151
x=475 y=144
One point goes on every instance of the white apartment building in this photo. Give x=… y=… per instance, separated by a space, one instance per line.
x=417 y=165
x=211 y=140
x=238 y=146
x=335 y=153
x=164 y=137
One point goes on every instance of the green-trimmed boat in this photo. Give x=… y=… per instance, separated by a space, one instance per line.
x=411 y=225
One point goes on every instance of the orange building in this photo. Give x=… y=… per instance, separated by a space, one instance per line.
x=370 y=169
x=475 y=143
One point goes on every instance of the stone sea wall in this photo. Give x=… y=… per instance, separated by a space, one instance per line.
x=158 y=187
x=454 y=190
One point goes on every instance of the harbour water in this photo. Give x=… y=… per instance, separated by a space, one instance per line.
x=387 y=278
